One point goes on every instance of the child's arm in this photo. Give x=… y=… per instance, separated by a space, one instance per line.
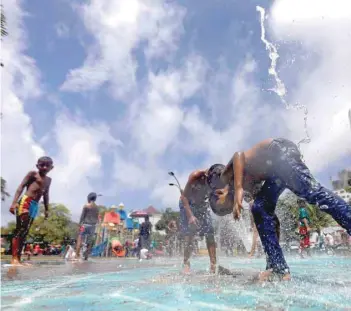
x=46 y=198
x=20 y=189
x=187 y=191
x=82 y=216
x=238 y=168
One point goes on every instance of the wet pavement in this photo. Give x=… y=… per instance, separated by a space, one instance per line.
x=158 y=284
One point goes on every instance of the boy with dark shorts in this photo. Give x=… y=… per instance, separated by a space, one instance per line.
x=88 y=221
x=26 y=208
x=278 y=163
x=195 y=217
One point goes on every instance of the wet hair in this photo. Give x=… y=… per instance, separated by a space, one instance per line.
x=301 y=201
x=92 y=197
x=214 y=176
x=45 y=159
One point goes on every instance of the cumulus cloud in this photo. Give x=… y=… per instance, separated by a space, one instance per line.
x=118 y=28
x=323 y=28
x=80 y=145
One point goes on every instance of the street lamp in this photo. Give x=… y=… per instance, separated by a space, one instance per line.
x=171 y=184
x=174 y=176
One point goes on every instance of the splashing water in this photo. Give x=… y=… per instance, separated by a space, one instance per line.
x=280 y=89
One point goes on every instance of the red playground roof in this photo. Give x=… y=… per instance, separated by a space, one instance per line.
x=112 y=217
x=151 y=210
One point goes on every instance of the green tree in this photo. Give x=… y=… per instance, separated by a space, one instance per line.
x=166 y=217
x=4 y=193
x=9 y=229
x=288 y=213
x=57 y=228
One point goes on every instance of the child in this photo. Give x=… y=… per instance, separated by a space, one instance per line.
x=87 y=222
x=26 y=207
x=278 y=163
x=195 y=217
x=304 y=227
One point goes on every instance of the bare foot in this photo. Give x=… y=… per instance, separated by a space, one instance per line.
x=16 y=262
x=212 y=268
x=186 y=269
x=267 y=276
x=286 y=277
x=264 y=276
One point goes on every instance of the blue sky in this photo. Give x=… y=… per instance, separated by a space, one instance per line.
x=120 y=92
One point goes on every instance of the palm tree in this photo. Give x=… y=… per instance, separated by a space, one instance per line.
x=3 y=23
x=3 y=27
x=4 y=193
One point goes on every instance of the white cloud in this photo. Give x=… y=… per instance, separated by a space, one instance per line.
x=119 y=27
x=324 y=30
x=79 y=161
x=80 y=145
x=20 y=81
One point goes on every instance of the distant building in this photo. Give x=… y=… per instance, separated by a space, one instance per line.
x=343 y=181
x=154 y=216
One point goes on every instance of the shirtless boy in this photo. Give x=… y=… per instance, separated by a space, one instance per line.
x=26 y=208
x=277 y=163
x=195 y=217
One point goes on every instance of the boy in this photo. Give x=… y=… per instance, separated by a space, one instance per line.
x=195 y=217
x=144 y=235
x=278 y=163
x=304 y=227
x=26 y=207
x=87 y=223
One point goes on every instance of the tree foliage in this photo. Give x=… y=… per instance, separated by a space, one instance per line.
x=166 y=217
x=4 y=193
x=3 y=23
x=288 y=213
x=57 y=228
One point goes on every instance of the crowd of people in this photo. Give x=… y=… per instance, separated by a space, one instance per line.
x=259 y=175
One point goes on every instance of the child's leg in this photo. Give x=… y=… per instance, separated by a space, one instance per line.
x=23 y=223
x=290 y=169
x=265 y=220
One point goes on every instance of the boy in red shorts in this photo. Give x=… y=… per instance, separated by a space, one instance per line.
x=26 y=208
x=304 y=228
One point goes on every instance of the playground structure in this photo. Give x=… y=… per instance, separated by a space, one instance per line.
x=118 y=225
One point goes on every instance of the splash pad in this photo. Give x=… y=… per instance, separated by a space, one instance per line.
x=318 y=284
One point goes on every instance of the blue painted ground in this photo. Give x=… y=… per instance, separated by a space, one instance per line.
x=318 y=284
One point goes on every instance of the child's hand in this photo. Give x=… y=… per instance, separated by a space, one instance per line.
x=193 y=221
x=13 y=208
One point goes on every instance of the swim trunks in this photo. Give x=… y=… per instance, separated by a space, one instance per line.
x=28 y=205
x=203 y=215
x=304 y=237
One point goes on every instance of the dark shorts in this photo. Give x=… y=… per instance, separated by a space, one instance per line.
x=203 y=216
x=88 y=233
x=144 y=242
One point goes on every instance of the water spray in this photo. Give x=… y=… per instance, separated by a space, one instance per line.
x=280 y=89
